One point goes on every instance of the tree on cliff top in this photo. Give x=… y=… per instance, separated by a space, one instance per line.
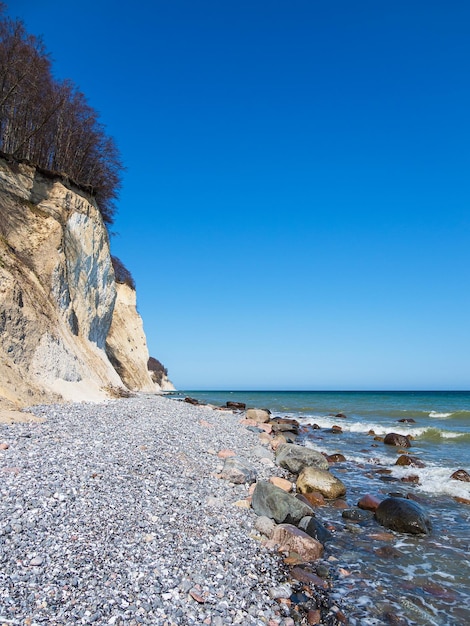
x=48 y=123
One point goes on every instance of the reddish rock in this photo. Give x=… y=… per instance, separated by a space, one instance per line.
x=191 y=400
x=196 y=595
x=291 y=539
x=225 y=453
x=282 y=483
x=405 y=459
x=378 y=438
x=300 y=574
x=336 y=429
x=277 y=440
x=461 y=475
x=340 y=504
x=314 y=498
x=4 y=446
x=371 y=432
x=369 y=502
x=313 y=617
x=388 y=552
x=461 y=500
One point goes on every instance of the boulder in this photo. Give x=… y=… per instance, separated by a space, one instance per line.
x=395 y=439
x=461 y=475
x=403 y=515
x=273 y=502
x=315 y=529
x=294 y=458
x=237 y=471
x=260 y=416
x=191 y=400
x=290 y=538
x=281 y=427
x=314 y=479
x=241 y=406
x=404 y=459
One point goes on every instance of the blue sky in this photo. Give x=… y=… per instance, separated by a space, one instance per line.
x=295 y=208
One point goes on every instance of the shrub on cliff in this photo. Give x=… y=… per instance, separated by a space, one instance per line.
x=157 y=370
x=49 y=123
x=121 y=274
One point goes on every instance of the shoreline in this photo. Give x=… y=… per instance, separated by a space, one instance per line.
x=190 y=537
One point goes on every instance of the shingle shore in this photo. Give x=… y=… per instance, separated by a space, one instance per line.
x=111 y=514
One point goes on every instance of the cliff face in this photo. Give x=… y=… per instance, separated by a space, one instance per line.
x=58 y=295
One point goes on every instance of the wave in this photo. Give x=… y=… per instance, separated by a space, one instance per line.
x=439 y=415
x=428 y=433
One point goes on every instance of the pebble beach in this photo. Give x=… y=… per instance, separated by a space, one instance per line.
x=114 y=513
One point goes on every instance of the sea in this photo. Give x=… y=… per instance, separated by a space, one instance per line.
x=381 y=576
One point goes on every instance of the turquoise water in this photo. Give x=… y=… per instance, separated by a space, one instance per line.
x=427 y=580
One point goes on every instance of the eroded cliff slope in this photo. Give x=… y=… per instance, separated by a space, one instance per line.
x=58 y=295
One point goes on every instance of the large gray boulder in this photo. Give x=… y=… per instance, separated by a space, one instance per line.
x=273 y=502
x=294 y=458
x=403 y=516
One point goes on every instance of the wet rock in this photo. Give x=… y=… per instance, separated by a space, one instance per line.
x=336 y=458
x=315 y=498
x=290 y=538
x=395 y=439
x=314 y=479
x=410 y=479
x=462 y=475
x=237 y=471
x=191 y=400
x=341 y=415
x=241 y=406
x=402 y=515
x=315 y=529
x=369 y=502
x=407 y=420
x=404 y=460
x=294 y=458
x=336 y=430
x=273 y=502
x=309 y=578
x=388 y=552
x=260 y=416
x=357 y=515
x=281 y=427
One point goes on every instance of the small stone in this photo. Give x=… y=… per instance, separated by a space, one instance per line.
x=313 y=617
x=36 y=561
x=265 y=525
x=282 y=591
x=282 y=483
x=4 y=446
x=225 y=453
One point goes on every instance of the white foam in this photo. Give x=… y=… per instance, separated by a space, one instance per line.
x=439 y=415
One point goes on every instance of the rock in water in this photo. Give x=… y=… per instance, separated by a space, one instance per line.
x=275 y=503
x=395 y=439
x=403 y=516
x=314 y=479
x=294 y=458
x=315 y=529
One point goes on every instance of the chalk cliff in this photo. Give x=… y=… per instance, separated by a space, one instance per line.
x=59 y=298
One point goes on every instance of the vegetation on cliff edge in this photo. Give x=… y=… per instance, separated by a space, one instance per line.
x=48 y=123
